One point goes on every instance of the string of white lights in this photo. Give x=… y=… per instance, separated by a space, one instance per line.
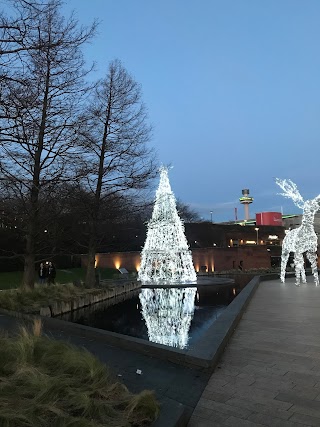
x=302 y=239
x=166 y=256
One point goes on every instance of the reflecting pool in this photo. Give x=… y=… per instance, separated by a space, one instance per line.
x=175 y=317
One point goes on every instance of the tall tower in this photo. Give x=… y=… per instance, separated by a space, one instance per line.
x=246 y=200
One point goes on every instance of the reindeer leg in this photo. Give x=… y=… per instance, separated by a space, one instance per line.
x=299 y=266
x=284 y=260
x=303 y=273
x=312 y=257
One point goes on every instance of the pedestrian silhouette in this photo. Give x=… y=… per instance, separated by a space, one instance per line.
x=51 y=273
x=43 y=273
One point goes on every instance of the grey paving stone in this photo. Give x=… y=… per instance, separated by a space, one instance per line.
x=305 y=410
x=237 y=422
x=228 y=379
x=216 y=396
x=251 y=391
x=301 y=367
x=213 y=387
x=305 y=419
x=224 y=408
x=228 y=370
x=273 y=370
x=261 y=408
x=302 y=378
x=209 y=414
x=218 y=380
x=200 y=422
x=272 y=421
x=273 y=384
x=306 y=392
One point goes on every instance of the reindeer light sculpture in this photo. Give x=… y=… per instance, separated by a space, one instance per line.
x=302 y=239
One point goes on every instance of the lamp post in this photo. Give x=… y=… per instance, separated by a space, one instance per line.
x=211 y=216
x=257 y=230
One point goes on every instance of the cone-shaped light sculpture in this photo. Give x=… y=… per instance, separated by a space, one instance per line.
x=166 y=256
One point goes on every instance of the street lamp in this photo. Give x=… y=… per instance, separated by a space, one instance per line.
x=257 y=230
x=211 y=216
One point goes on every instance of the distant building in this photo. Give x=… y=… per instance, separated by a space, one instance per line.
x=269 y=218
x=254 y=243
x=216 y=247
x=206 y=235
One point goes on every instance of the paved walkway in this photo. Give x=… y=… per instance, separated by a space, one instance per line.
x=269 y=374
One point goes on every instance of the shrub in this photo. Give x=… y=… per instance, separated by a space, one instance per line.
x=44 y=382
x=30 y=301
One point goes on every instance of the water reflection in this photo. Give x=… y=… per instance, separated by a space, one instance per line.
x=168 y=313
x=87 y=315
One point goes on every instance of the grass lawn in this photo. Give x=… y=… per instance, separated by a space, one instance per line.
x=45 y=382
x=13 y=279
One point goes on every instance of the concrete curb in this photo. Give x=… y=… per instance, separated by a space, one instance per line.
x=173 y=414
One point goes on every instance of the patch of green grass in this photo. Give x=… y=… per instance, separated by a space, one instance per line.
x=44 y=382
x=10 y=280
x=74 y=274
x=13 y=279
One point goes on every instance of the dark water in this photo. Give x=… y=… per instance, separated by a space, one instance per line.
x=174 y=317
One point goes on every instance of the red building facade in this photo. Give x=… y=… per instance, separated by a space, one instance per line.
x=269 y=218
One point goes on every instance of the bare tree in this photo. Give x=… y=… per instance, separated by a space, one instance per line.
x=186 y=213
x=115 y=141
x=39 y=109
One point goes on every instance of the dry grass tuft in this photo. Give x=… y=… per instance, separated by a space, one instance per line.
x=31 y=300
x=44 y=382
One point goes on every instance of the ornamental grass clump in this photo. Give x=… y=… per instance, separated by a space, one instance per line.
x=30 y=301
x=44 y=382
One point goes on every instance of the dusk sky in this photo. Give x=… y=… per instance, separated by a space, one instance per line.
x=232 y=90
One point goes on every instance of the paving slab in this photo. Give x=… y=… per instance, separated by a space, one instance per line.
x=269 y=374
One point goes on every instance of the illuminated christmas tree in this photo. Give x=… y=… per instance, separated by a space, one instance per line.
x=166 y=256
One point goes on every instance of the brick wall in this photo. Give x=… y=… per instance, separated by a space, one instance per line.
x=215 y=259
x=219 y=259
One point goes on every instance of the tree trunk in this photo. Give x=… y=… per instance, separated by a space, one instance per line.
x=29 y=258
x=90 y=275
x=91 y=272
x=28 y=273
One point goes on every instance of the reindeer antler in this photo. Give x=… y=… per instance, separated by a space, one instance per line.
x=290 y=191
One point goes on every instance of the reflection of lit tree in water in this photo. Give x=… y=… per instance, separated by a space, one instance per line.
x=166 y=255
x=168 y=314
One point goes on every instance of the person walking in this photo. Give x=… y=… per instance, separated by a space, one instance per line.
x=51 y=273
x=42 y=272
